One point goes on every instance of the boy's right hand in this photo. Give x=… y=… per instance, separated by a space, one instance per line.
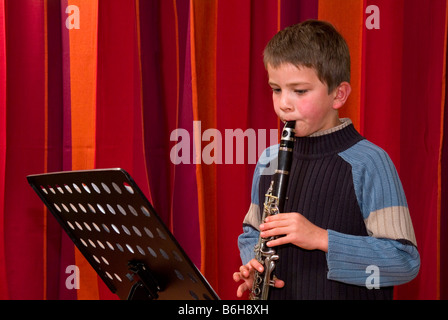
x=246 y=274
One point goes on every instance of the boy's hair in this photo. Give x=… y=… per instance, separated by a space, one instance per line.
x=313 y=44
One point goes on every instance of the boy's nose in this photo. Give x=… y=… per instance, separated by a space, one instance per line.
x=285 y=104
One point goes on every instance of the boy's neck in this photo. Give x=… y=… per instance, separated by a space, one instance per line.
x=344 y=122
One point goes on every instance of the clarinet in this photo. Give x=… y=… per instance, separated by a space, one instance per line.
x=273 y=204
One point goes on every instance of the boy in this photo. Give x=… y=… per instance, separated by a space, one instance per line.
x=346 y=232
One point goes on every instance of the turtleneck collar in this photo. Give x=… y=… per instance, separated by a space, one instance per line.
x=328 y=142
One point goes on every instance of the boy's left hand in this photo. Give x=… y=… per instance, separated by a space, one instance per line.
x=296 y=229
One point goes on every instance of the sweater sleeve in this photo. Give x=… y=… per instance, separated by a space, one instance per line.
x=391 y=247
x=350 y=259
x=246 y=243
x=249 y=238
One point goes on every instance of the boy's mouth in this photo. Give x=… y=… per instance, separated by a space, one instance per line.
x=284 y=120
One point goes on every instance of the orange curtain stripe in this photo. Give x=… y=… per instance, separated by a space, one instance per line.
x=347 y=16
x=83 y=65
x=203 y=64
x=83 y=60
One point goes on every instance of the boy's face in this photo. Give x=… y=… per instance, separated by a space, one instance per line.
x=299 y=95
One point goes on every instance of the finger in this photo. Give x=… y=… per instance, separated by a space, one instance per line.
x=237 y=276
x=273 y=224
x=244 y=271
x=241 y=288
x=278 y=241
x=256 y=265
x=278 y=231
x=279 y=217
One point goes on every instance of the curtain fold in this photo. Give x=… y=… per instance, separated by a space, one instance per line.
x=25 y=148
x=3 y=278
x=175 y=92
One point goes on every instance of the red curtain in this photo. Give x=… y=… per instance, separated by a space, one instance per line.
x=137 y=79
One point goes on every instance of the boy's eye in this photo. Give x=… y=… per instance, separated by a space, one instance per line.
x=300 y=92
x=276 y=90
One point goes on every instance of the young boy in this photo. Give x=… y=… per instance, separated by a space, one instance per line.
x=346 y=232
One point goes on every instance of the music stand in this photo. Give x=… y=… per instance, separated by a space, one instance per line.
x=120 y=234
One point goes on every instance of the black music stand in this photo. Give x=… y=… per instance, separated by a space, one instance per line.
x=118 y=231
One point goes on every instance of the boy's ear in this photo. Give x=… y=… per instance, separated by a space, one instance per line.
x=341 y=94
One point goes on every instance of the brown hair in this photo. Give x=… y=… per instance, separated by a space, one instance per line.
x=313 y=44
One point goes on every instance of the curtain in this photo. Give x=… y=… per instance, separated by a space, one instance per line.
x=165 y=88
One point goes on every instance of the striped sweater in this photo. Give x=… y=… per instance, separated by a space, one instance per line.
x=345 y=184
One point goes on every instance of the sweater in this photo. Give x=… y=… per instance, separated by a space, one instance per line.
x=347 y=185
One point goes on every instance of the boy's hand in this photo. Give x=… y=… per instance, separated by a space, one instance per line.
x=295 y=229
x=246 y=274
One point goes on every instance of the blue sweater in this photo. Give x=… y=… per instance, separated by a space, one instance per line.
x=347 y=185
